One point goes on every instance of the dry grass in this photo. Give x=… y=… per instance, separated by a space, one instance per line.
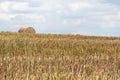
x=58 y=57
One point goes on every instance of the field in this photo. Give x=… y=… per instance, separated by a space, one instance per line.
x=58 y=57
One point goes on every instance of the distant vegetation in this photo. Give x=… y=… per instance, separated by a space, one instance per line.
x=58 y=57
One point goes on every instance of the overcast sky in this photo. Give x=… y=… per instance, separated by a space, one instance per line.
x=85 y=17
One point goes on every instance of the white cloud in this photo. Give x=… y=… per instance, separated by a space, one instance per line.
x=19 y=6
x=30 y=18
x=86 y=13
x=35 y=17
x=4 y=6
x=77 y=6
x=12 y=5
x=110 y=20
x=72 y=21
x=6 y=17
x=102 y=15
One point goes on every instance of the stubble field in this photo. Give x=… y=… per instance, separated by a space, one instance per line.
x=58 y=57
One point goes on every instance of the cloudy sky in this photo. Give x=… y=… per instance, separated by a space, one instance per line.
x=85 y=17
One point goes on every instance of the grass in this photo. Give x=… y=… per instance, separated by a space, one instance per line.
x=58 y=57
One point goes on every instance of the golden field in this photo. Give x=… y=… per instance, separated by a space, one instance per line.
x=58 y=57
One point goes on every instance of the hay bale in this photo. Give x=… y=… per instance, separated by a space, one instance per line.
x=26 y=30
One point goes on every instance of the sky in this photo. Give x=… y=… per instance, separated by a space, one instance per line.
x=84 y=17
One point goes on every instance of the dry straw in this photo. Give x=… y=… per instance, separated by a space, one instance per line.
x=26 y=30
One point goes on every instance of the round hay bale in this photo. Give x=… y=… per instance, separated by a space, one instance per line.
x=26 y=30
